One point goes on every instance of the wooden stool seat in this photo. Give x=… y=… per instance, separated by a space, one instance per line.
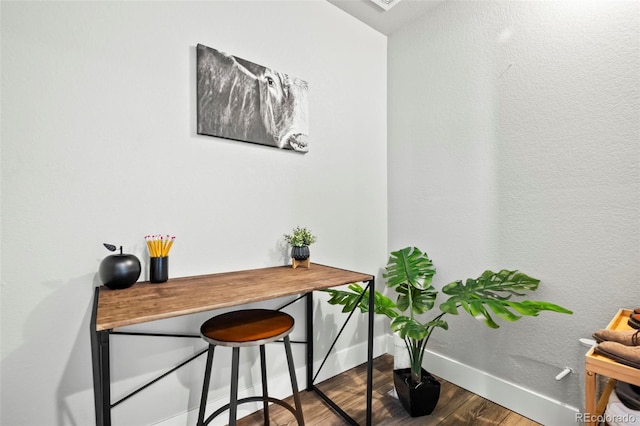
x=250 y=327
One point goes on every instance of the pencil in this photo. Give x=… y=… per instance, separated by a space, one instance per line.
x=158 y=246
x=169 y=244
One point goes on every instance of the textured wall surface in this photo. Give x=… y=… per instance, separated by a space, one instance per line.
x=99 y=144
x=514 y=142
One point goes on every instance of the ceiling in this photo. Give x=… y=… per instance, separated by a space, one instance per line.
x=401 y=12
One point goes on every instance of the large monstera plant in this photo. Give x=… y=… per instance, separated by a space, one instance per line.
x=410 y=272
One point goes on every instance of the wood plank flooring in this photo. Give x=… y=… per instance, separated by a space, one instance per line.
x=456 y=407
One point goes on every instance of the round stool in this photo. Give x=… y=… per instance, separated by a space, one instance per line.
x=250 y=327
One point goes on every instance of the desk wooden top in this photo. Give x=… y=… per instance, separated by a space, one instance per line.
x=145 y=302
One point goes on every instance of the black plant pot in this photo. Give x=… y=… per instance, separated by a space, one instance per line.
x=300 y=253
x=418 y=401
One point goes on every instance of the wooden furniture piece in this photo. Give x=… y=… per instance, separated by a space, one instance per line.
x=248 y=327
x=302 y=263
x=601 y=365
x=144 y=302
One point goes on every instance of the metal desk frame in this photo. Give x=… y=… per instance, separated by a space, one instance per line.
x=301 y=284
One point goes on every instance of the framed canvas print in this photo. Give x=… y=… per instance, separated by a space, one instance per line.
x=240 y=100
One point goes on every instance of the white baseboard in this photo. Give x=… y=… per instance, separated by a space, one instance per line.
x=526 y=402
x=280 y=386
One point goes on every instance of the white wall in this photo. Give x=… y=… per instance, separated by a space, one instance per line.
x=514 y=142
x=99 y=145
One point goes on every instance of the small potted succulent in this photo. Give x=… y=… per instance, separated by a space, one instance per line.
x=409 y=272
x=300 y=240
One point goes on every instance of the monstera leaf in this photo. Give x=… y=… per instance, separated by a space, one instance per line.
x=418 y=300
x=410 y=272
x=358 y=297
x=411 y=328
x=409 y=266
x=492 y=292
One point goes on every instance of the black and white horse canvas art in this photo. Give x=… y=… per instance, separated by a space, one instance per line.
x=240 y=100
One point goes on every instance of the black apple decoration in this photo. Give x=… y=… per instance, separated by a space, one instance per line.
x=119 y=270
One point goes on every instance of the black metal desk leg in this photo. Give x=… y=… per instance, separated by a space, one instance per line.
x=100 y=366
x=372 y=290
x=105 y=377
x=97 y=382
x=309 y=339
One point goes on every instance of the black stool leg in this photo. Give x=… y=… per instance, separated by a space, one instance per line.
x=265 y=391
x=294 y=382
x=233 y=407
x=205 y=386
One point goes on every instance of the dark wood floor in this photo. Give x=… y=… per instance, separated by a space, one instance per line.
x=456 y=407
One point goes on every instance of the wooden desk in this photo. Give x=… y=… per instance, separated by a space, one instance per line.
x=144 y=302
x=597 y=364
